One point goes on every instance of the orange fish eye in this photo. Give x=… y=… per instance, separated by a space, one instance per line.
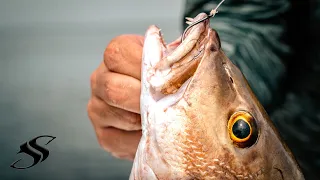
x=242 y=129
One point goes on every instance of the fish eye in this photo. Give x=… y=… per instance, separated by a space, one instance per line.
x=242 y=129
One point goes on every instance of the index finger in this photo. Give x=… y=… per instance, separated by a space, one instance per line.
x=123 y=55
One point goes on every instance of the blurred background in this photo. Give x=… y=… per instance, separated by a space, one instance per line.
x=48 y=50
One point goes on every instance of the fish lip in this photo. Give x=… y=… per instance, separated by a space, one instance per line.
x=155 y=50
x=178 y=41
x=168 y=48
x=174 y=54
x=198 y=17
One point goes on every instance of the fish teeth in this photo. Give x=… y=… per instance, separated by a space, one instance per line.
x=189 y=19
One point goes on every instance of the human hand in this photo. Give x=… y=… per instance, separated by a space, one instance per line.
x=114 y=105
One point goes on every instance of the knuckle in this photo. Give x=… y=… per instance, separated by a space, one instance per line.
x=113 y=93
x=108 y=90
x=108 y=144
x=111 y=53
x=103 y=142
x=90 y=109
x=94 y=112
x=93 y=79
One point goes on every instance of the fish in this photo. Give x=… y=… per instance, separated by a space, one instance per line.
x=200 y=118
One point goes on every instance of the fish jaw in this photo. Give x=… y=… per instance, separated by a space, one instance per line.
x=155 y=157
x=154 y=154
x=184 y=126
x=217 y=91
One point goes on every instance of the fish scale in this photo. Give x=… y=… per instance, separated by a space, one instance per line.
x=186 y=133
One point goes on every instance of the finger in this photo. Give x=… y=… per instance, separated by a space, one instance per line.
x=123 y=55
x=103 y=115
x=121 y=144
x=119 y=90
x=93 y=78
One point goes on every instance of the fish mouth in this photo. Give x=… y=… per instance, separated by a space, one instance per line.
x=171 y=66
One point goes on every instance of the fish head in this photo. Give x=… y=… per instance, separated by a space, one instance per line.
x=200 y=118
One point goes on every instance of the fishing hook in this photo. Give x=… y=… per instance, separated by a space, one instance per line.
x=212 y=13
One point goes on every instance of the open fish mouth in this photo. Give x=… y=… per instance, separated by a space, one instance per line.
x=168 y=70
x=193 y=103
x=171 y=66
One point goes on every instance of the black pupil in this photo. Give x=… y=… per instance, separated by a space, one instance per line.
x=241 y=129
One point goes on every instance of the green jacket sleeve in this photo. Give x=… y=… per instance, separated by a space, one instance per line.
x=251 y=34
